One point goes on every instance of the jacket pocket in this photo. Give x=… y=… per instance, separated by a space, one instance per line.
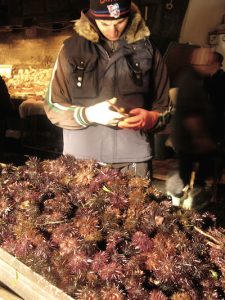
x=83 y=79
x=134 y=75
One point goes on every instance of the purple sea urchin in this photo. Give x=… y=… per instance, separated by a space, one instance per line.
x=101 y=235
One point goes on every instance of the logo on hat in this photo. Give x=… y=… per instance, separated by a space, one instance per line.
x=114 y=10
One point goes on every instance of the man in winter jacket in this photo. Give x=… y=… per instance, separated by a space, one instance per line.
x=109 y=88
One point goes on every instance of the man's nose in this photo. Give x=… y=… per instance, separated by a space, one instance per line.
x=113 y=29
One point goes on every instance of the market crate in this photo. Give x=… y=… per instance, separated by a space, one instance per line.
x=25 y=282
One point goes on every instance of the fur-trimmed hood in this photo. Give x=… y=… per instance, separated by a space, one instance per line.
x=137 y=29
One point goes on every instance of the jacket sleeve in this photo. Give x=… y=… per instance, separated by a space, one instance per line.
x=58 y=105
x=160 y=87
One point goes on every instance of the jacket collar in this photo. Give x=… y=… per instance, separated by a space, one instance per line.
x=136 y=31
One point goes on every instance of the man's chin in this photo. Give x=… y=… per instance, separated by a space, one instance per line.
x=113 y=39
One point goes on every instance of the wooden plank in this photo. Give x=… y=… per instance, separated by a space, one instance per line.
x=7 y=295
x=26 y=283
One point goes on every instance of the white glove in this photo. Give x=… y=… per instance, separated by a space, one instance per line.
x=102 y=114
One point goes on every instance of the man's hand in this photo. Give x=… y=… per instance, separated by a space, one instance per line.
x=140 y=119
x=101 y=113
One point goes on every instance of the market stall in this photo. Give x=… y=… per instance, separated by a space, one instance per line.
x=27 y=86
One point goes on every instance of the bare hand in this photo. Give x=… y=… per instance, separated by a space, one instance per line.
x=140 y=119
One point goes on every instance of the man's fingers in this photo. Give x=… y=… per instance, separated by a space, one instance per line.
x=112 y=100
x=132 y=120
x=135 y=111
x=113 y=123
x=123 y=124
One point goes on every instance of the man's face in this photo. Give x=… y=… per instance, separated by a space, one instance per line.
x=203 y=61
x=112 y=29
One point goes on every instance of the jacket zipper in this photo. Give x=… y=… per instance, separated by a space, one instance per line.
x=114 y=94
x=112 y=46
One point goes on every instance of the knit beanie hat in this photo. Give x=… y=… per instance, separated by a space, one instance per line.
x=110 y=9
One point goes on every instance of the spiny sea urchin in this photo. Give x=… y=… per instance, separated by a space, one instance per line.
x=99 y=234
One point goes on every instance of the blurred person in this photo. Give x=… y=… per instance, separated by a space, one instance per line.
x=216 y=86
x=6 y=109
x=5 y=102
x=196 y=132
x=109 y=88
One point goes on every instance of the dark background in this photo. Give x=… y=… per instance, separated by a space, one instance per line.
x=164 y=17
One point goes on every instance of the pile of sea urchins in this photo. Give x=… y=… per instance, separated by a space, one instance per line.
x=99 y=234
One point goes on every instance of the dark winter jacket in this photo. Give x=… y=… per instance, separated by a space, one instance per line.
x=5 y=103
x=195 y=123
x=216 y=88
x=86 y=73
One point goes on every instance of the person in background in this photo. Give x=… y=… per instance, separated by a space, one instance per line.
x=198 y=129
x=5 y=103
x=109 y=88
x=216 y=86
x=6 y=109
